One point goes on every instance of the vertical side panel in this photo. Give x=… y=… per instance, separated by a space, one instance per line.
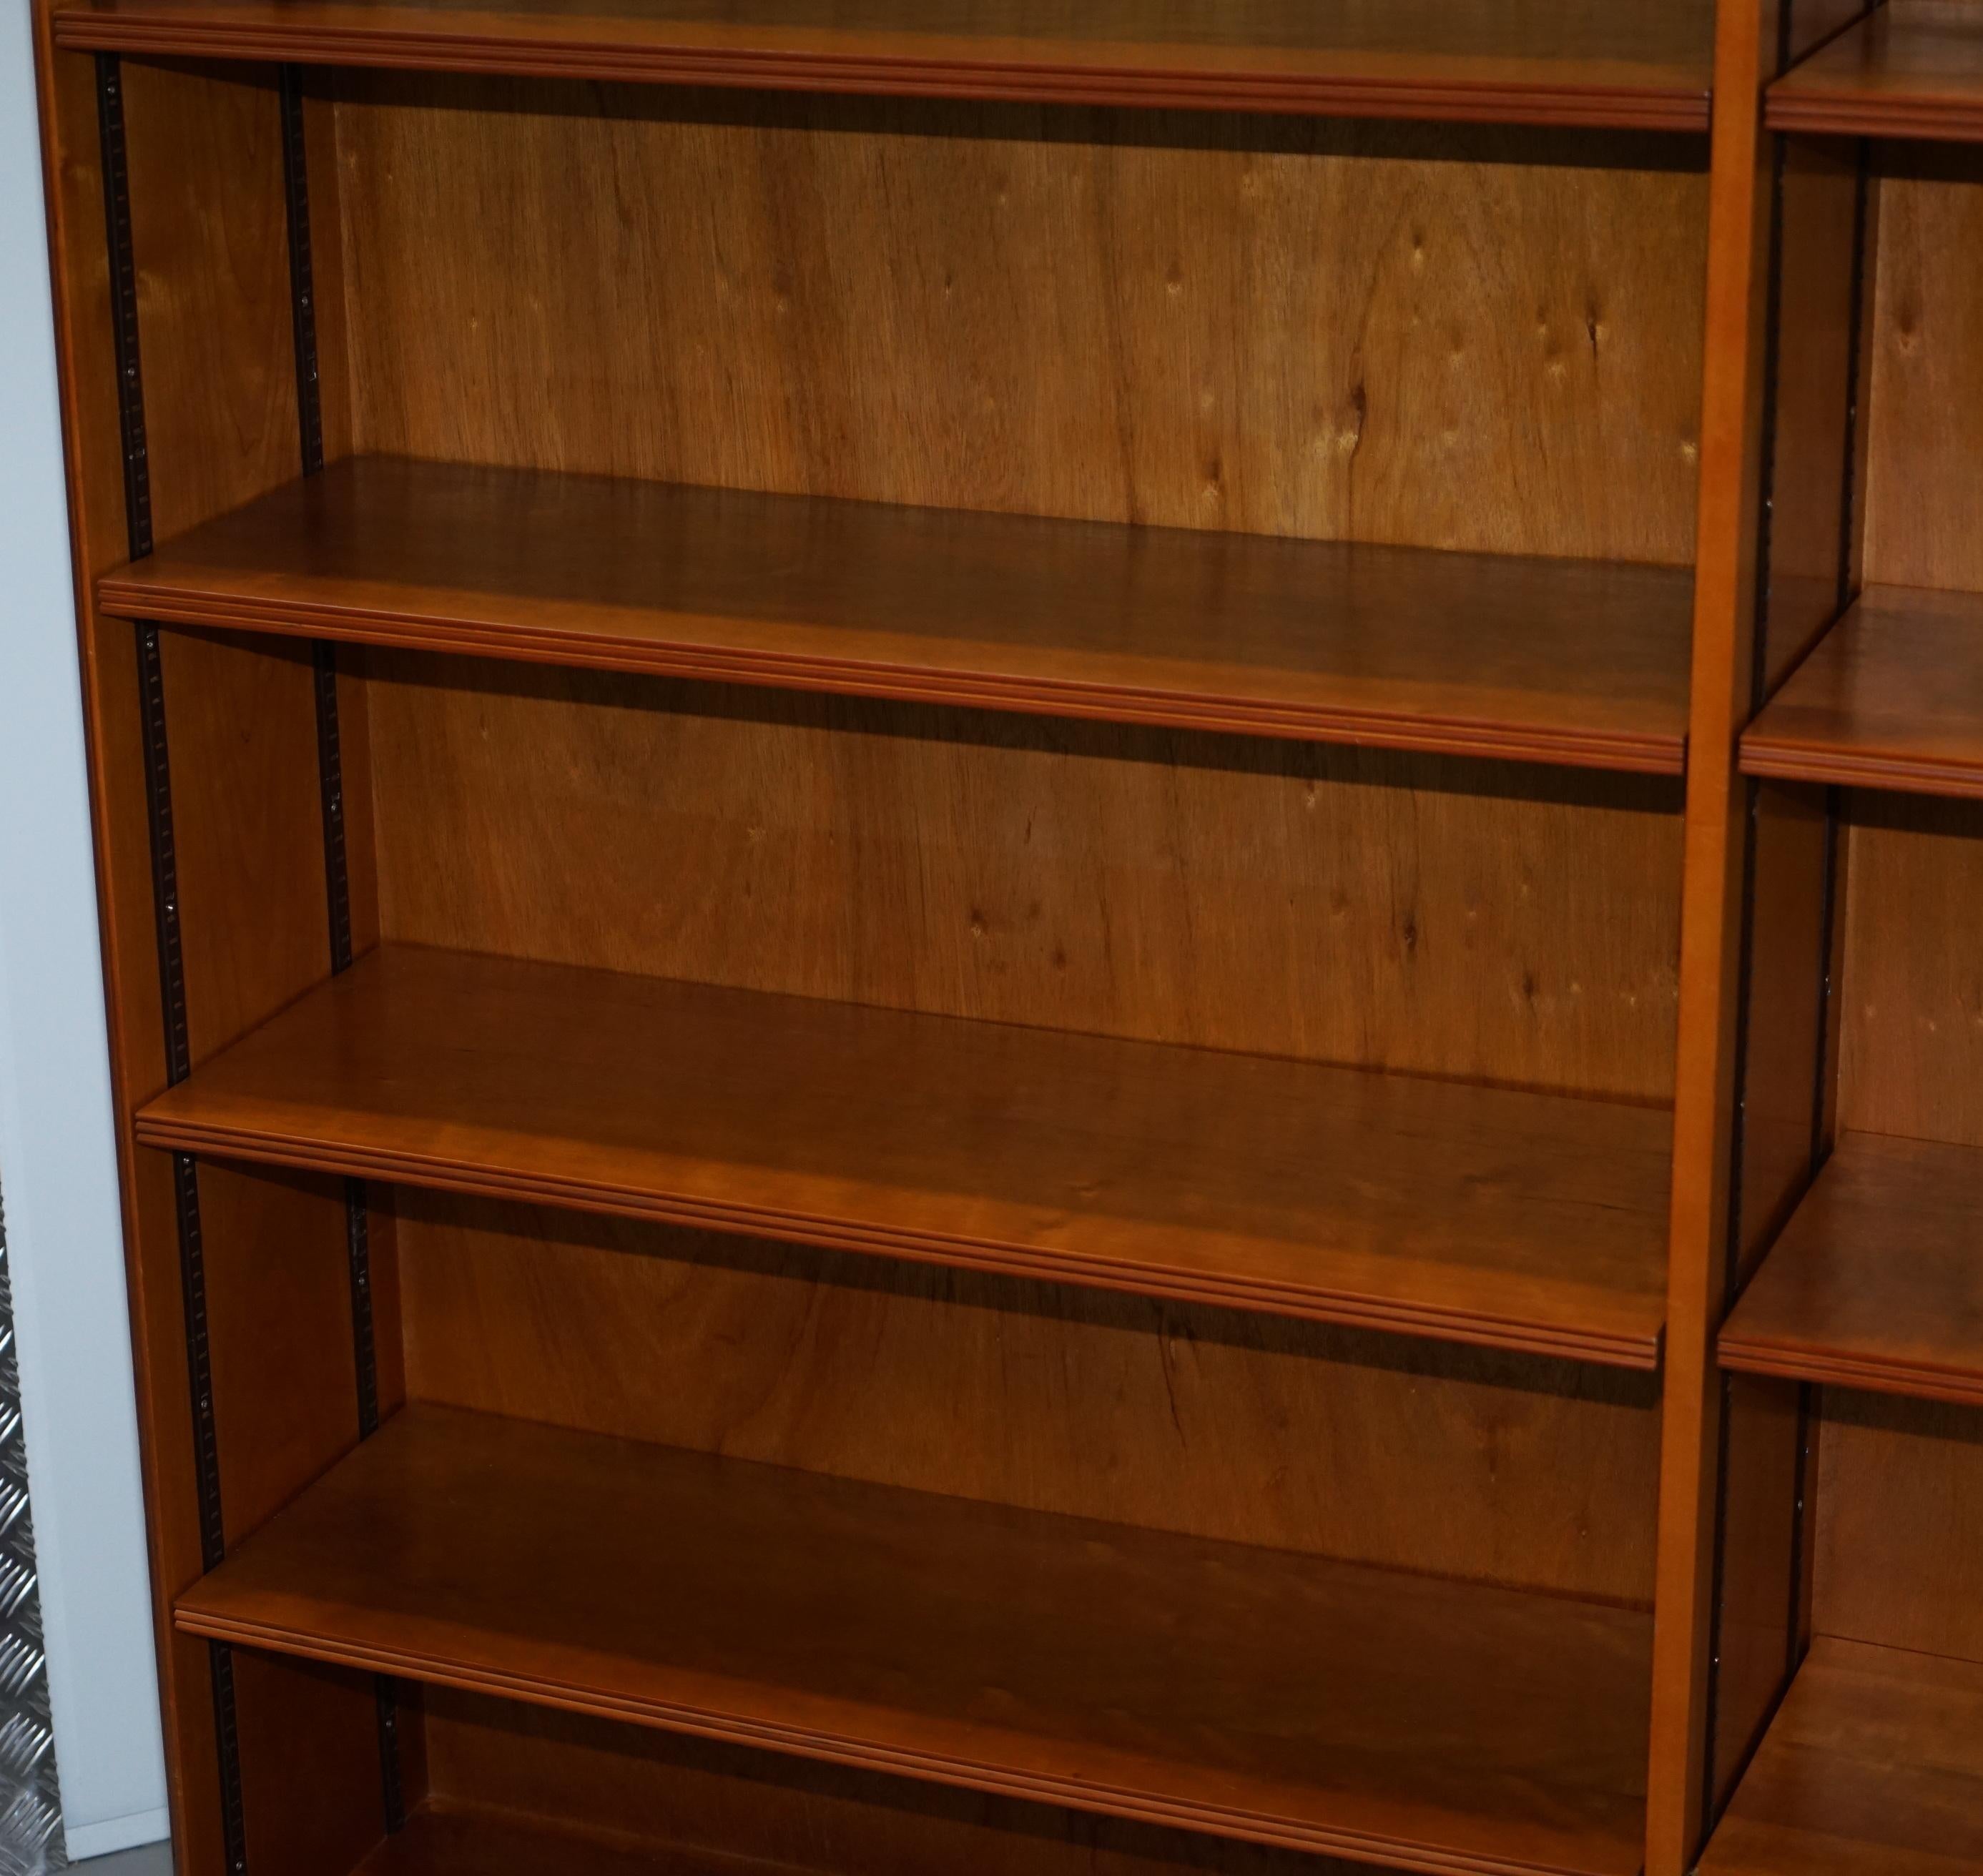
x=307 y=1732
x=1747 y=37
x=1776 y=555
x=202 y=181
x=326 y=223
x=213 y=287
x=279 y=1323
x=242 y=718
x=100 y=538
x=1757 y=1601
x=1782 y=1065
x=1820 y=194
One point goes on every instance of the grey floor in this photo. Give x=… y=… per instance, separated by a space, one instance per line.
x=147 y=1860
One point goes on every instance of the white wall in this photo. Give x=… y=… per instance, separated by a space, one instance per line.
x=58 y=1167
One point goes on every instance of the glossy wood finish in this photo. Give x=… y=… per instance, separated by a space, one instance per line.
x=1873 y=1766
x=1891 y=697
x=1301 y=340
x=1266 y=325
x=1924 y=416
x=1466 y=920
x=1910 y=68
x=688 y=1796
x=1519 y=1220
x=1908 y=1058
x=1900 y=1491
x=208 y=253
x=1734 y=448
x=1544 y=660
x=1535 y=1472
x=1877 y=1282
x=1113 y=1669
x=1574 y=61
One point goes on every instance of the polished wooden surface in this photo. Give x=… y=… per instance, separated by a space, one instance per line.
x=1922 y=413
x=1910 y=68
x=1574 y=61
x=1472 y=921
x=1734 y=445
x=1891 y=697
x=204 y=180
x=1876 y=1282
x=998 y=300
x=1267 y=325
x=1873 y=1766
x=1900 y=1498
x=1114 y=1669
x=639 y=1786
x=1908 y=1058
x=1545 y=660
x=1519 y=1220
x=1534 y=1472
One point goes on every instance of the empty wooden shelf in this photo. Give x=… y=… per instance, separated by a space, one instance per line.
x=1514 y=1220
x=1892 y=697
x=1556 y=660
x=1873 y=1766
x=1910 y=68
x=1579 y=61
x=1877 y=1280
x=1253 y=1692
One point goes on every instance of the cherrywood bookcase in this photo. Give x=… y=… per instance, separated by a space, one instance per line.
x=1043 y=936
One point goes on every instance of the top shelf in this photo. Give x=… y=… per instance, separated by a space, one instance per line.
x=1911 y=69
x=1594 y=62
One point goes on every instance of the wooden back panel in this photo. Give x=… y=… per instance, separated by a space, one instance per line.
x=1466 y=919
x=1926 y=414
x=1901 y=1524
x=1444 y=336
x=797 y=1816
x=1911 y=1059
x=1525 y=1472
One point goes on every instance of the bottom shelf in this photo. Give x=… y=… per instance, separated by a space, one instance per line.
x=1250 y=1693
x=1873 y=1766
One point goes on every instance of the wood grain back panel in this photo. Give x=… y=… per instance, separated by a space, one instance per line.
x=1528 y=1472
x=1911 y=1045
x=792 y=1814
x=1901 y=1524
x=1390 y=911
x=1483 y=339
x=1926 y=413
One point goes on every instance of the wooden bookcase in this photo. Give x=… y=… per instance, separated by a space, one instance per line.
x=1043 y=937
